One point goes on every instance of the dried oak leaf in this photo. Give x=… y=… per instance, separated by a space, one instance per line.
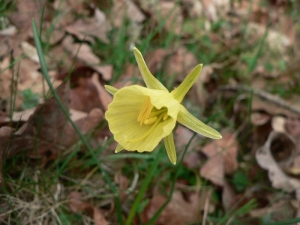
x=281 y=144
x=222 y=160
x=77 y=205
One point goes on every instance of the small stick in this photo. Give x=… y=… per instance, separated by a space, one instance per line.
x=264 y=95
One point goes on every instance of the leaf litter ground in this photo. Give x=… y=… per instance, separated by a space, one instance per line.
x=249 y=87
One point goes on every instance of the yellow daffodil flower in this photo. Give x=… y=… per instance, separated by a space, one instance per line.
x=141 y=117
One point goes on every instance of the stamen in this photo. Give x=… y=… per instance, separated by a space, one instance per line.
x=165 y=116
x=150 y=120
x=157 y=112
x=145 y=111
x=149 y=131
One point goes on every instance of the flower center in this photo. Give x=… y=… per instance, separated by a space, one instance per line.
x=149 y=115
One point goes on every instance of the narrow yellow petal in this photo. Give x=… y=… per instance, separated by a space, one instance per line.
x=149 y=79
x=187 y=83
x=170 y=148
x=119 y=148
x=112 y=90
x=191 y=122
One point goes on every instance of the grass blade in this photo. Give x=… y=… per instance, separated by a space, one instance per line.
x=81 y=136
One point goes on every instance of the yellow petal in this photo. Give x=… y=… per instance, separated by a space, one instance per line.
x=191 y=122
x=124 y=110
x=149 y=79
x=112 y=90
x=187 y=83
x=170 y=148
x=118 y=148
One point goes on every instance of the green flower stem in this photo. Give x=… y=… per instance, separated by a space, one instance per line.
x=46 y=75
x=159 y=211
x=143 y=190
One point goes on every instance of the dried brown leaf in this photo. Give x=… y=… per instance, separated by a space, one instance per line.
x=181 y=63
x=199 y=88
x=179 y=211
x=30 y=51
x=213 y=170
x=214 y=9
x=260 y=118
x=293 y=127
x=156 y=58
x=123 y=183
x=78 y=205
x=131 y=72
x=171 y=13
x=86 y=55
x=98 y=217
x=26 y=11
x=81 y=51
x=48 y=131
x=75 y=201
x=5 y=49
x=87 y=28
x=85 y=125
x=279 y=210
x=48 y=118
x=125 y=9
x=222 y=160
x=85 y=96
x=104 y=96
x=228 y=196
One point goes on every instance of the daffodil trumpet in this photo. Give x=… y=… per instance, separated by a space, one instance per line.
x=140 y=117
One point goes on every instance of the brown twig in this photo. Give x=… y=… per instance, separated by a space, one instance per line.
x=264 y=95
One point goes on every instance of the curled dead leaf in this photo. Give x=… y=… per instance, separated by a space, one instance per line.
x=268 y=161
